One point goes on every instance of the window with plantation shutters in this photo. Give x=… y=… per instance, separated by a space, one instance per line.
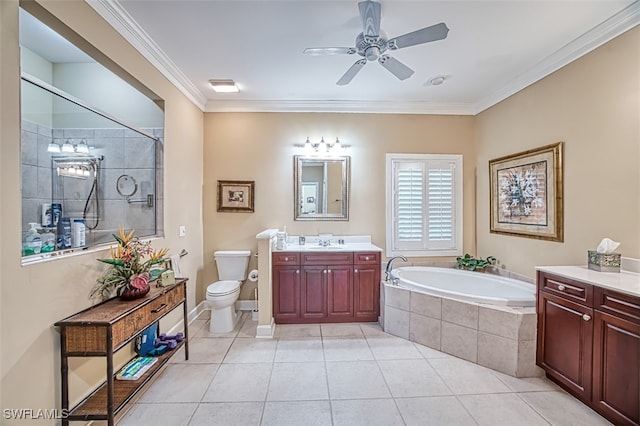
x=424 y=205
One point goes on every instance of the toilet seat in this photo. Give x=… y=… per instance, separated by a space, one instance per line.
x=223 y=288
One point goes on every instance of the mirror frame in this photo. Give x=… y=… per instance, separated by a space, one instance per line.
x=298 y=162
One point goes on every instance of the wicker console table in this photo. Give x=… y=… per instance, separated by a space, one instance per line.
x=104 y=329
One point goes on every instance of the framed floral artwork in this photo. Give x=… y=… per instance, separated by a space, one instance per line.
x=526 y=193
x=236 y=196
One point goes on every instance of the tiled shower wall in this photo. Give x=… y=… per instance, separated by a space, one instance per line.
x=124 y=151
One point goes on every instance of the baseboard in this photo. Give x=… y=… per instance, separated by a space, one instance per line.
x=247 y=305
x=266 y=331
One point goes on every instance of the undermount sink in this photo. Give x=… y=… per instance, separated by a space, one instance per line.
x=324 y=248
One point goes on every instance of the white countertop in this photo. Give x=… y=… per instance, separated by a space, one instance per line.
x=338 y=243
x=623 y=281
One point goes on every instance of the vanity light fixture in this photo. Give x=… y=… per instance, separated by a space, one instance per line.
x=323 y=147
x=82 y=147
x=54 y=146
x=224 y=86
x=67 y=146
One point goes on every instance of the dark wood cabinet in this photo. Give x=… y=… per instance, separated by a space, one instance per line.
x=313 y=294
x=326 y=287
x=366 y=286
x=565 y=343
x=340 y=292
x=616 y=357
x=589 y=343
x=286 y=291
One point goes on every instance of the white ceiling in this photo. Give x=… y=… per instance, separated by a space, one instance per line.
x=493 y=49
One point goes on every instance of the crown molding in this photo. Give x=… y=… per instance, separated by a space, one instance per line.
x=336 y=106
x=116 y=16
x=619 y=23
x=125 y=25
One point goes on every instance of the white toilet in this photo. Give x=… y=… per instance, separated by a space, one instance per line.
x=222 y=295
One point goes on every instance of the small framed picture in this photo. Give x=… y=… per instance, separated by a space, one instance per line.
x=236 y=196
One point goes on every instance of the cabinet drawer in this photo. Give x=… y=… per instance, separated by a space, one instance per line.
x=366 y=258
x=286 y=258
x=618 y=304
x=566 y=288
x=345 y=258
x=145 y=316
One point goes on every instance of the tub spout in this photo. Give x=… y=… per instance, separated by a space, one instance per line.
x=387 y=271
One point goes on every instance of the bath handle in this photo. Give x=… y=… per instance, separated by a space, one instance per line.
x=586 y=317
x=561 y=287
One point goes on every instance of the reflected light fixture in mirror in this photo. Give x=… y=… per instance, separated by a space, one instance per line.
x=323 y=148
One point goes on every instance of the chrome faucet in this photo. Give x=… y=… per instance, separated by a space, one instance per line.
x=387 y=271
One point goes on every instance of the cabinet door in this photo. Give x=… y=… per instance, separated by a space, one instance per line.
x=565 y=337
x=616 y=369
x=366 y=289
x=313 y=293
x=339 y=293
x=286 y=293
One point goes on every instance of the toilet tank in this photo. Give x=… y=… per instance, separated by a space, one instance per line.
x=232 y=264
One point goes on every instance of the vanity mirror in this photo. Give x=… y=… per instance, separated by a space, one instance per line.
x=321 y=188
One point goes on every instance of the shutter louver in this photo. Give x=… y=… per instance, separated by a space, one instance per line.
x=410 y=205
x=440 y=204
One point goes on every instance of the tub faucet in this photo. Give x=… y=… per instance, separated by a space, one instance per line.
x=387 y=271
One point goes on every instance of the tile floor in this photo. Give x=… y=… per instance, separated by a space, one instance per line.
x=340 y=374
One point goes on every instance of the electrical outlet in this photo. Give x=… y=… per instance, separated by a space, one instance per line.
x=183 y=231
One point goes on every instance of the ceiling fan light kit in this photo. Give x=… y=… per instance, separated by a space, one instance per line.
x=371 y=44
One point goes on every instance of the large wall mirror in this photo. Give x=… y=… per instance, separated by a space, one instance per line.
x=82 y=166
x=321 y=188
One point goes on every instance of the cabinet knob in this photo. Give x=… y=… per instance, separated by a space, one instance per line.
x=329 y=270
x=355 y=270
x=324 y=271
x=286 y=259
x=366 y=258
x=297 y=271
x=561 y=287
x=586 y=317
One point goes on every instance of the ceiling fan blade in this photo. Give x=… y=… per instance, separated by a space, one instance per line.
x=395 y=67
x=425 y=35
x=370 y=12
x=317 y=51
x=351 y=72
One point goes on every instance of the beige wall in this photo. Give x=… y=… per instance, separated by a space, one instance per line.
x=33 y=297
x=593 y=105
x=261 y=146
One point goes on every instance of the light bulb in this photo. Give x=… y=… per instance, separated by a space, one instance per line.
x=67 y=146
x=323 y=148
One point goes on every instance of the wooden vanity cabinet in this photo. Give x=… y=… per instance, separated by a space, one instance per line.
x=366 y=286
x=326 y=287
x=616 y=356
x=589 y=343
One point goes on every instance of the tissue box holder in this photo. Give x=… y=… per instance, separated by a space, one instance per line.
x=604 y=262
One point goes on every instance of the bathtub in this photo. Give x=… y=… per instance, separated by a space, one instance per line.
x=483 y=318
x=466 y=285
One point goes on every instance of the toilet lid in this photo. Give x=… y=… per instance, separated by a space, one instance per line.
x=221 y=288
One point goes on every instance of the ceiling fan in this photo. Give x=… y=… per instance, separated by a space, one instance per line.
x=372 y=45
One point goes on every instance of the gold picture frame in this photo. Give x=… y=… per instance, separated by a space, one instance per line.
x=526 y=193
x=236 y=196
